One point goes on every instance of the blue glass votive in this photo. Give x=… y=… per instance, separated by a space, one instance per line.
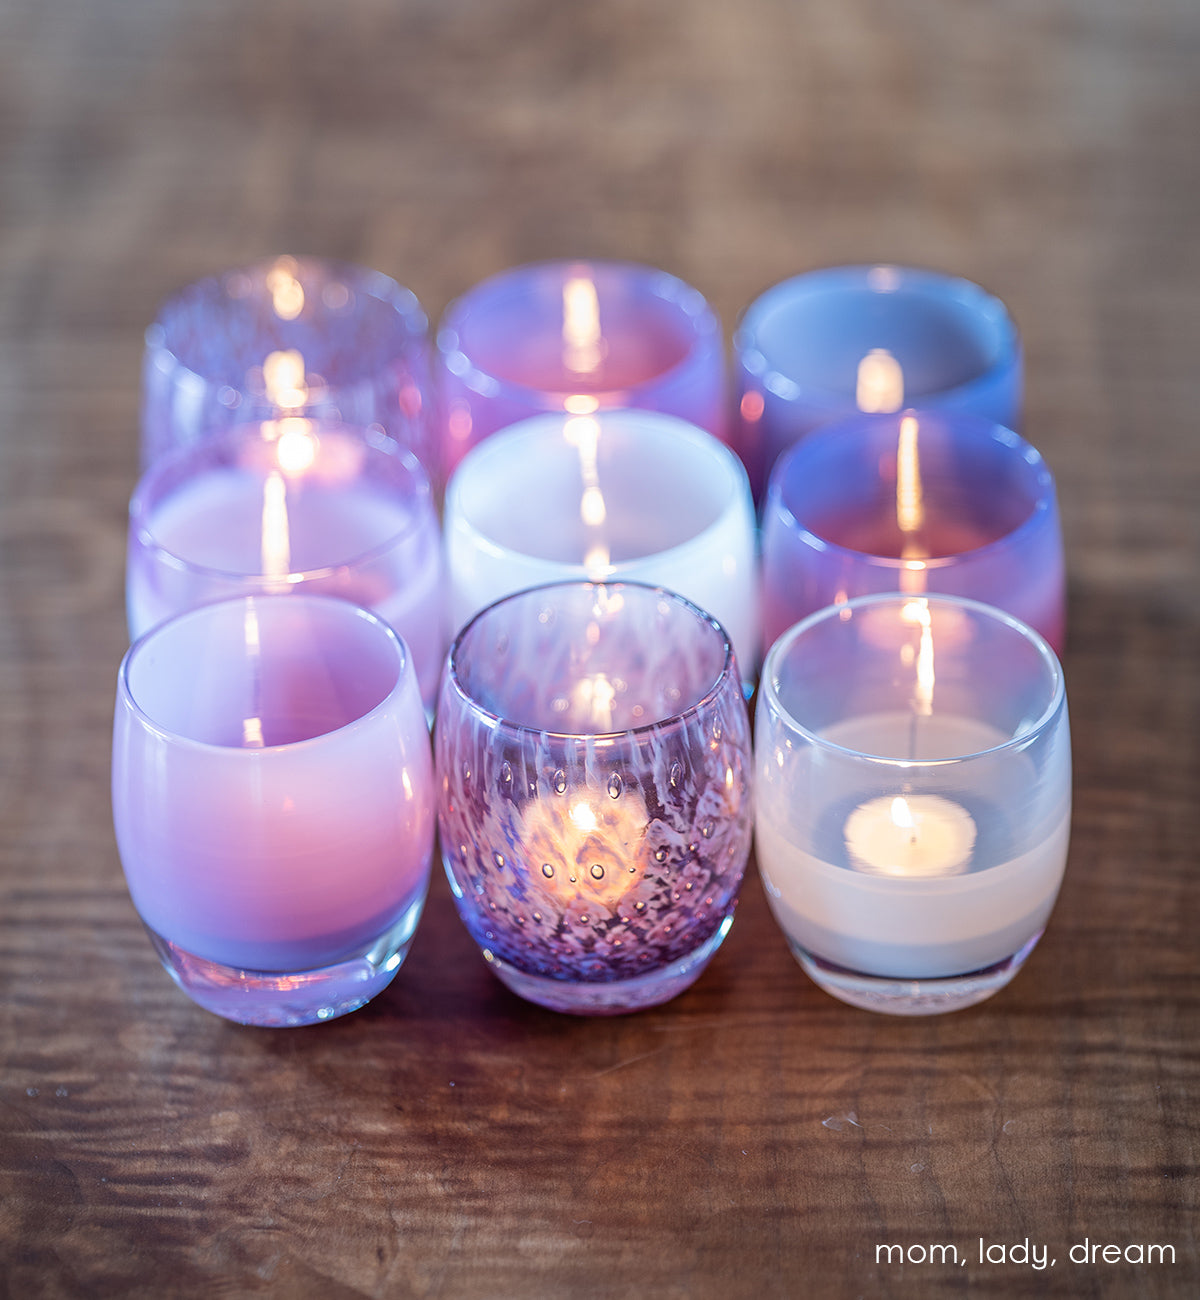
x=831 y=342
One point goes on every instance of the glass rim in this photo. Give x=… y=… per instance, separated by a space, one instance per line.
x=126 y=697
x=726 y=673
x=1051 y=665
x=1044 y=500
x=530 y=429
x=140 y=513
x=485 y=381
x=366 y=280
x=857 y=275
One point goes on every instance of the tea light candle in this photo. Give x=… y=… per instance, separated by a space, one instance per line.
x=577 y=337
x=619 y=495
x=288 y=336
x=273 y=802
x=822 y=345
x=286 y=506
x=915 y=502
x=913 y=803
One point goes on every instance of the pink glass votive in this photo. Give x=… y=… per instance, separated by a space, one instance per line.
x=578 y=337
x=291 y=506
x=288 y=336
x=919 y=502
x=273 y=803
x=820 y=346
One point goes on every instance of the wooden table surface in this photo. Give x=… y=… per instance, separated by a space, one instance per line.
x=755 y=1137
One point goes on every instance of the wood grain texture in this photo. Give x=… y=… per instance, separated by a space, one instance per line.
x=754 y=1138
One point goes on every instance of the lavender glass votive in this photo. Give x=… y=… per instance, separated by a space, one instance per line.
x=827 y=343
x=288 y=336
x=919 y=502
x=593 y=759
x=615 y=496
x=578 y=337
x=273 y=803
x=291 y=506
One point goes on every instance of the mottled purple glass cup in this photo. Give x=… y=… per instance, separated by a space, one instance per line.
x=593 y=758
x=288 y=336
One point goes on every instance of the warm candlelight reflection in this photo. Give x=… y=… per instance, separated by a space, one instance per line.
x=581 y=324
x=583 y=433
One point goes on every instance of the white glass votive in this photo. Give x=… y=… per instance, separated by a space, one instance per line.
x=628 y=496
x=913 y=798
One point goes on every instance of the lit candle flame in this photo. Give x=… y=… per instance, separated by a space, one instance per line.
x=284 y=379
x=880 y=386
x=287 y=293
x=902 y=816
x=581 y=325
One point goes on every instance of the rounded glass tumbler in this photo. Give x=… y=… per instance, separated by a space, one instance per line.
x=578 y=337
x=285 y=507
x=922 y=501
x=618 y=496
x=593 y=759
x=273 y=803
x=913 y=796
x=288 y=336
x=830 y=342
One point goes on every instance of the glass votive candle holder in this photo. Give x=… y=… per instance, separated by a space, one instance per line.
x=927 y=501
x=913 y=798
x=273 y=803
x=615 y=496
x=593 y=762
x=288 y=336
x=290 y=506
x=578 y=337
x=830 y=342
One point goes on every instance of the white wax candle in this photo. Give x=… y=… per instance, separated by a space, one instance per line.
x=866 y=901
x=922 y=835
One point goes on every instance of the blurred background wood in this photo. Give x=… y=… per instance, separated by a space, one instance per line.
x=754 y=1138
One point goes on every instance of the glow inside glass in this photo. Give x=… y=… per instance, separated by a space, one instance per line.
x=273 y=803
x=822 y=345
x=618 y=496
x=579 y=337
x=918 y=502
x=593 y=757
x=913 y=797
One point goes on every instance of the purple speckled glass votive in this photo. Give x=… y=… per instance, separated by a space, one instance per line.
x=593 y=759
x=288 y=336
x=822 y=345
x=578 y=337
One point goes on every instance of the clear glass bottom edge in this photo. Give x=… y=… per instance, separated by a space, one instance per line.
x=281 y=999
x=896 y=996
x=618 y=997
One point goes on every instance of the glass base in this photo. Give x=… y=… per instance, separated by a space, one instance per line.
x=284 y=998
x=618 y=997
x=912 y=997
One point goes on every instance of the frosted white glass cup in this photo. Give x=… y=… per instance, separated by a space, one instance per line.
x=629 y=496
x=913 y=797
